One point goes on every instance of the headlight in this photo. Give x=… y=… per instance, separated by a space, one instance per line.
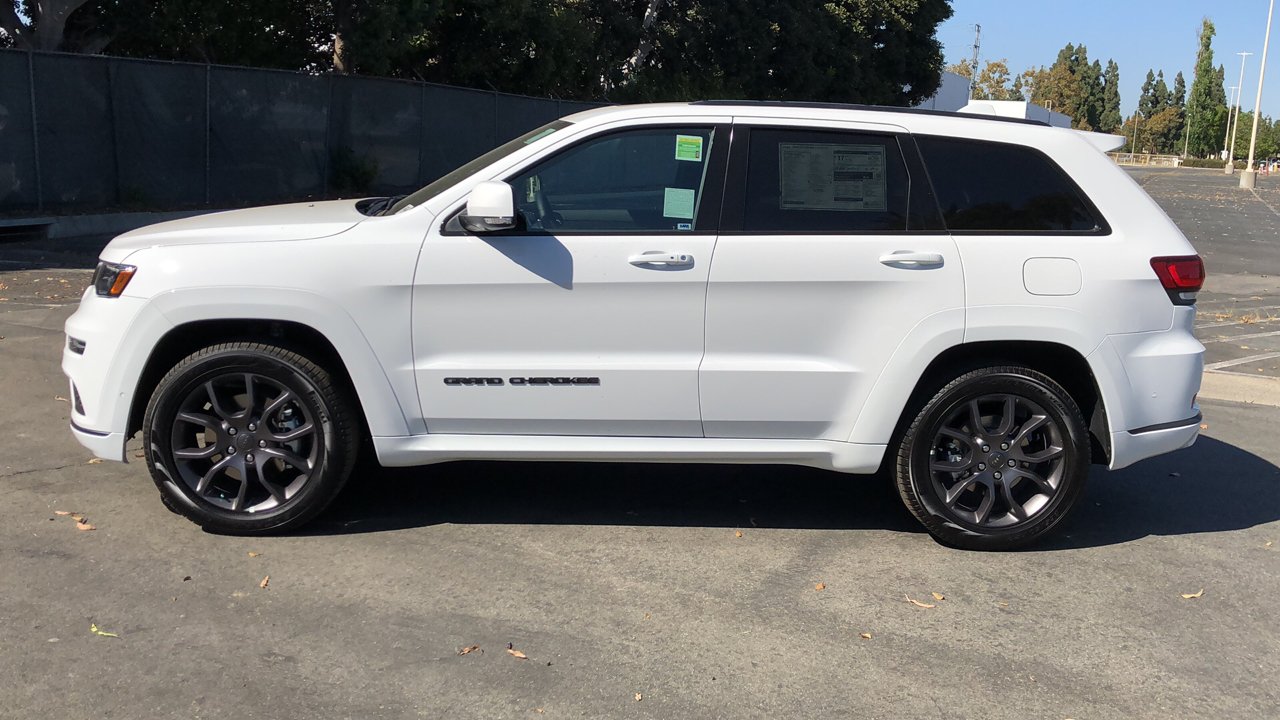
x=110 y=279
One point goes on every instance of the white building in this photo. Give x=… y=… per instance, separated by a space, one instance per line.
x=953 y=96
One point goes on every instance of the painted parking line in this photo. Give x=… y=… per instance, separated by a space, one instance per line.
x=1241 y=361
x=1229 y=323
x=1249 y=336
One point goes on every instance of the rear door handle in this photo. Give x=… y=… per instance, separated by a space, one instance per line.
x=912 y=259
x=661 y=257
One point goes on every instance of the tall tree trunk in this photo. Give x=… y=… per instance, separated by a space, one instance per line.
x=13 y=25
x=646 y=39
x=342 y=22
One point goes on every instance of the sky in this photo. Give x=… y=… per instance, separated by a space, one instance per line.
x=1138 y=34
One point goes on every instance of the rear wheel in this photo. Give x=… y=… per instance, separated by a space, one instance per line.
x=994 y=460
x=246 y=438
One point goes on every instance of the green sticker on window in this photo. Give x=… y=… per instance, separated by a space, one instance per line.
x=689 y=147
x=678 y=203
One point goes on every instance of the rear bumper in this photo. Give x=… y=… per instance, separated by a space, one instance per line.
x=1128 y=447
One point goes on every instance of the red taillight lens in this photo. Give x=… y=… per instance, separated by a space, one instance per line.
x=1182 y=277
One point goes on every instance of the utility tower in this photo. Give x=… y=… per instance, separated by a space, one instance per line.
x=977 y=47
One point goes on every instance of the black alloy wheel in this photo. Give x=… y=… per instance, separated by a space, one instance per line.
x=995 y=459
x=247 y=438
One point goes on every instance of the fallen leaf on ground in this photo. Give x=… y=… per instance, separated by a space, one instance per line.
x=81 y=525
x=647 y=616
x=938 y=596
x=63 y=513
x=517 y=654
x=264 y=582
x=254 y=554
x=639 y=697
x=1192 y=596
x=539 y=710
x=737 y=533
x=59 y=398
x=77 y=517
x=94 y=461
x=917 y=603
x=865 y=636
x=820 y=587
x=139 y=454
x=1266 y=544
x=1204 y=426
x=93 y=628
x=1003 y=604
x=469 y=649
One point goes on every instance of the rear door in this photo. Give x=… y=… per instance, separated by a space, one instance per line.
x=831 y=251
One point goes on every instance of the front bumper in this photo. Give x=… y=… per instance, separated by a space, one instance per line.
x=117 y=337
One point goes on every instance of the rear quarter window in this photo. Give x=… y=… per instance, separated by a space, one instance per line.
x=1004 y=188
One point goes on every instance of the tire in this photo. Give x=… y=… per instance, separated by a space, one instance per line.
x=1000 y=498
x=249 y=439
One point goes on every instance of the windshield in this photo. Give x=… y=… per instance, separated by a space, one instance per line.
x=494 y=155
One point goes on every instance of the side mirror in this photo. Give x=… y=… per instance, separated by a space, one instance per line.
x=490 y=208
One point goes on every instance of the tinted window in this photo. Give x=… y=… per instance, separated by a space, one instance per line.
x=820 y=181
x=645 y=180
x=986 y=186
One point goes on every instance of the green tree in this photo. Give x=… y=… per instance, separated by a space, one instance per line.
x=1179 y=96
x=992 y=82
x=1207 y=99
x=1147 y=99
x=1109 y=120
x=1072 y=85
x=843 y=50
x=1160 y=95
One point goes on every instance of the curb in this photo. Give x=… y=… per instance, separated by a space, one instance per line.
x=1238 y=387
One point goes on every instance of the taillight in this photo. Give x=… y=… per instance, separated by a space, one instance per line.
x=1181 y=276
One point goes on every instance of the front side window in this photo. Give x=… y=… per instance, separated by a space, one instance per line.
x=1000 y=187
x=824 y=181
x=641 y=180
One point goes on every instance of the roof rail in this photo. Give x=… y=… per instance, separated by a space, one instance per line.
x=868 y=108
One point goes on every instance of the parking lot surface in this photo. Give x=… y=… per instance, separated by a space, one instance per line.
x=647 y=591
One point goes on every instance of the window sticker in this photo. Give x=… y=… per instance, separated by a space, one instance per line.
x=689 y=147
x=684 y=226
x=678 y=203
x=829 y=176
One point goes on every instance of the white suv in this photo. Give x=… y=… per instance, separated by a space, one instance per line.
x=979 y=307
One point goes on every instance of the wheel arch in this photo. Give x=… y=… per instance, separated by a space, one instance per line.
x=1065 y=364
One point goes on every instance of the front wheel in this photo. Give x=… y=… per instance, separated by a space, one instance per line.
x=994 y=460
x=246 y=438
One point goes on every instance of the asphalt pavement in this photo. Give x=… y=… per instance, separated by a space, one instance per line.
x=644 y=591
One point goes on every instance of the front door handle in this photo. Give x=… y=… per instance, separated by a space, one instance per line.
x=661 y=257
x=911 y=259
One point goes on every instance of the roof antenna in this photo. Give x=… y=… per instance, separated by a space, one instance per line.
x=973 y=72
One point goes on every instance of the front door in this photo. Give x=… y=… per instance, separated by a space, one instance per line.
x=588 y=319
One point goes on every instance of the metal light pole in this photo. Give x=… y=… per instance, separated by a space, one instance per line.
x=1186 y=144
x=1249 y=177
x=1231 y=146
x=1231 y=104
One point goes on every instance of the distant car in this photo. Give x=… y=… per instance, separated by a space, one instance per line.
x=979 y=307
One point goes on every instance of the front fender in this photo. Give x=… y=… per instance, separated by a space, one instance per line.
x=373 y=386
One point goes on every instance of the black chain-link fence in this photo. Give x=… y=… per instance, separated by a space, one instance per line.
x=92 y=133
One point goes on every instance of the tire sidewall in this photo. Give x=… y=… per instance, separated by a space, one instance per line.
x=1061 y=410
x=158 y=431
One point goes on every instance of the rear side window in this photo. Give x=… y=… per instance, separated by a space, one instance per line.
x=999 y=187
x=820 y=181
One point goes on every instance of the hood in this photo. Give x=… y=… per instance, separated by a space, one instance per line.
x=297 y=221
